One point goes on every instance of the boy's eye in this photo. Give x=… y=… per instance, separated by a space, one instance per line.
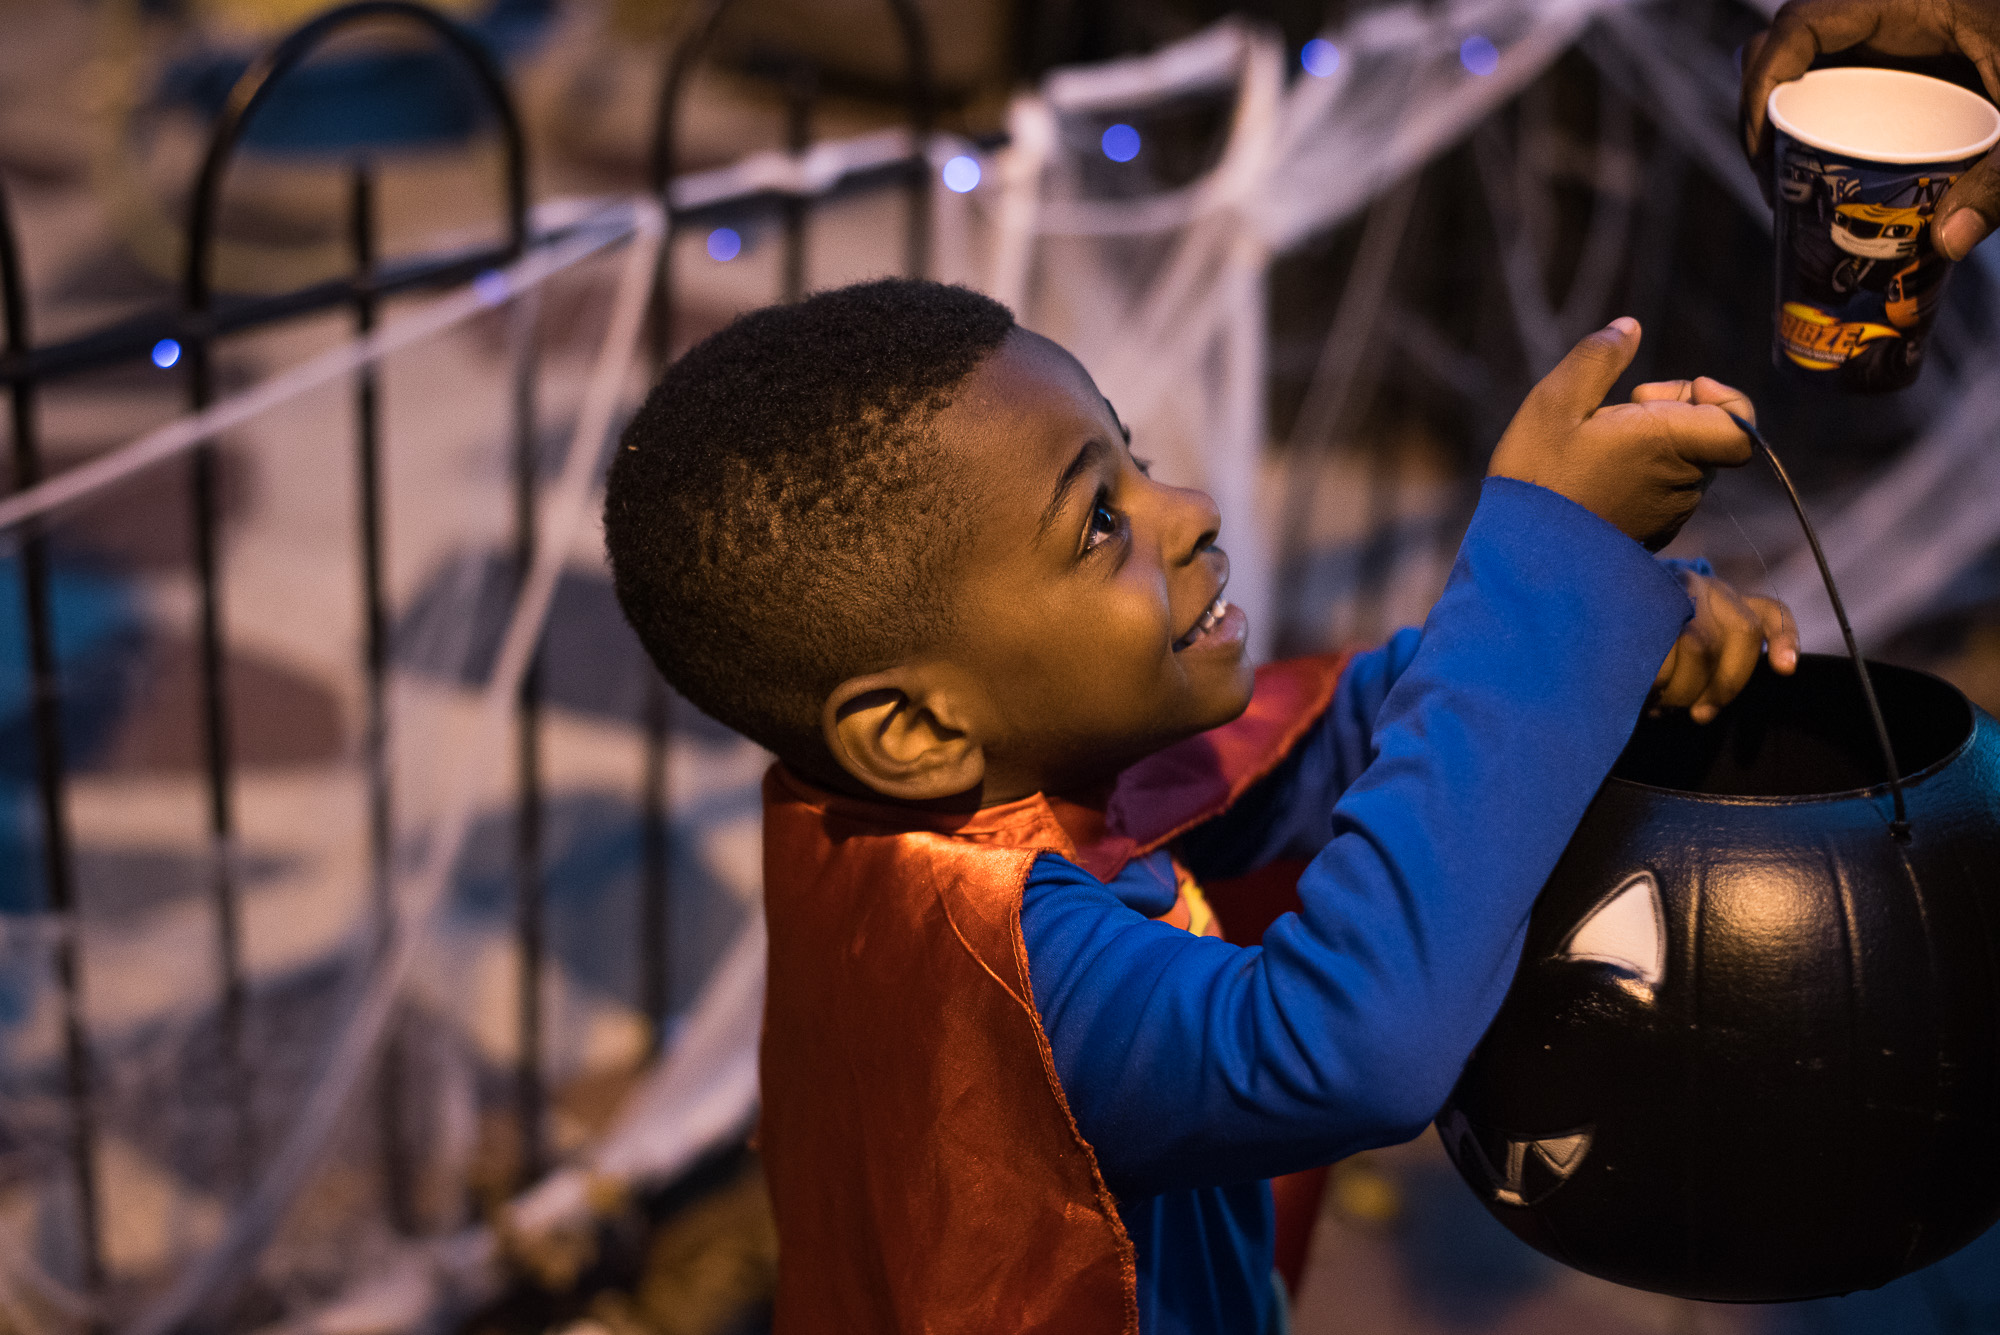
x=1104 y=525
x=1145 y=466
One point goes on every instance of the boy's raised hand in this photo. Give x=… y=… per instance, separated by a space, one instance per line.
x=1641 y=466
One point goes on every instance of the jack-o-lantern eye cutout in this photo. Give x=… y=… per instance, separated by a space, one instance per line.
x=1627 y=930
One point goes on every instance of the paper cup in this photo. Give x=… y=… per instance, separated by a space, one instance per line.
x=1862 y=157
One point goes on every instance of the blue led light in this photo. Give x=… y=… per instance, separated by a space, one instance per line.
x=491 y=286
x=1121 y=143
x=1479 y=55
x=961 y=174
x=724 y=244
x=165 y=353
x=1320 y=58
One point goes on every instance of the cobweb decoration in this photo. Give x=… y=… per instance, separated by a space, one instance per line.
x=1163 y=297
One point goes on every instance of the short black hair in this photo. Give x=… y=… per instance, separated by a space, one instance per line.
x=779 y=516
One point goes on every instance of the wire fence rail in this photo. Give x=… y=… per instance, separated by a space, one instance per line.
x=545 y=517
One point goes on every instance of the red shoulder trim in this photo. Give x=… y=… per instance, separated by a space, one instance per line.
x=1153 y=802
x=1166 y=794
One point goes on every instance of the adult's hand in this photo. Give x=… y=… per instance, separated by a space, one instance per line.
x=1805 y=29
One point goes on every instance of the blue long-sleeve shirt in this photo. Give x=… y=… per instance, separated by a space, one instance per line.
x=1435 y=797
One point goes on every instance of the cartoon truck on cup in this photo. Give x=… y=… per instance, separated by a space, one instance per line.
x=1878 y=231
x=1882 y=246
x=1800 y=181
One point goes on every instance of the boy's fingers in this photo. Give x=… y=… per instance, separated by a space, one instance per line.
x=1781 y=632
x=1701 y=391
x=1664 y=391
x=1701 y=434
x=1693 y=664
x=1735 y=659
x=1579 y=382
x=1712 y=392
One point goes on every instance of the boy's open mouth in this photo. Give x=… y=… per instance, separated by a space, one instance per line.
x=1206 y=623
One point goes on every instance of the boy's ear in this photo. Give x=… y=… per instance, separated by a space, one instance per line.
x=902 y=732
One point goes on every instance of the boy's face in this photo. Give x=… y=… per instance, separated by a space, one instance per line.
x=1086 y=628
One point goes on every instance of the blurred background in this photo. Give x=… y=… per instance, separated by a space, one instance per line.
x=379 y=940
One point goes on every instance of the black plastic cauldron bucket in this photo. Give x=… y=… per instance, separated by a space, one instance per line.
x=1752 y=1052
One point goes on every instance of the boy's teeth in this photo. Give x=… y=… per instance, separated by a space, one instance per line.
x=1214 y=613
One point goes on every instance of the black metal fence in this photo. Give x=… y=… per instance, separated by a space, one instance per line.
x=204 y=319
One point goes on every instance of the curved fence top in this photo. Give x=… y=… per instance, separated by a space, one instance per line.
x=265 y=73
x=701 y=31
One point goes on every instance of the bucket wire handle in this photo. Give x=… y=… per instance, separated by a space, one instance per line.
x=1899 y=828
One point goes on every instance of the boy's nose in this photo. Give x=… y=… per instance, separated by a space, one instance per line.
x=1195 y=524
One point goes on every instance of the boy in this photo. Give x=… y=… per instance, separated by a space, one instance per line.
x=1011 y=1080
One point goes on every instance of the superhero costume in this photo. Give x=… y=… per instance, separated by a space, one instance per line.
x=984 y=1063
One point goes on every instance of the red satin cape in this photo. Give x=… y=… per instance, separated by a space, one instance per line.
x=925 y=1170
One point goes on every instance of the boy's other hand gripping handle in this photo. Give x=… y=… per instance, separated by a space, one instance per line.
x=1641 y=466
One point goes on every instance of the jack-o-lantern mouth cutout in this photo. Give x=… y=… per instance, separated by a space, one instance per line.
x=1516 y=1170
x=1753 y=1048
